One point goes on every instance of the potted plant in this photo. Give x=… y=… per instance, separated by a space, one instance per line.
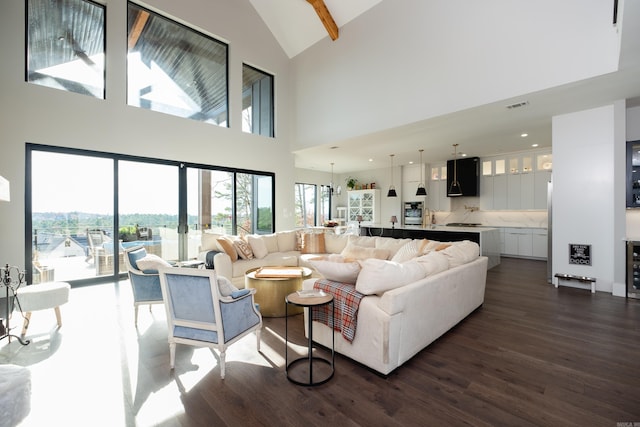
x=351 y=183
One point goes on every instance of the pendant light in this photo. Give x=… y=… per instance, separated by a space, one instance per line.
x=421 y=190
x=331 y=182
x=454 y=189
x=337 y=190
x=392 y=188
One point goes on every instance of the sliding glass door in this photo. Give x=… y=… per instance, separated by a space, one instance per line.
x=148 y=208
x=72 y=215
x=83 y=209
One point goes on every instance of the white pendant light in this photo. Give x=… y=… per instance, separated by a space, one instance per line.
x=454 y=189
x=421 y=190
x=392 y=188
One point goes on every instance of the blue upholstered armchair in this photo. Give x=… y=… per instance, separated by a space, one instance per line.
x=145 y=283
x=199 y=315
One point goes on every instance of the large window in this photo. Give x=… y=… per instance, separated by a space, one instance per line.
x=65 y=45
x=84 y=208
x=174 y=69
x=257 y=101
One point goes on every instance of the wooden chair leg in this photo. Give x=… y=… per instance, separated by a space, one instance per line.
x=58 y=317
x=25 y=325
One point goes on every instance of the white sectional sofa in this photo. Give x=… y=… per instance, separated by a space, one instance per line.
x=415 y=290
x=396 y=325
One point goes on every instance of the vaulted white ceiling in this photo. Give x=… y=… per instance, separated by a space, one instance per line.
x=295 y=24
x=473 y=114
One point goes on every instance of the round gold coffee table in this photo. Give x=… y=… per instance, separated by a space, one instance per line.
x=271 y=291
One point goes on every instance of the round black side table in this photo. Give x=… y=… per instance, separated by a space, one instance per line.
x=301 y=370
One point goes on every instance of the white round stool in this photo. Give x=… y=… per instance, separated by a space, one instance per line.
x=15 y=394
x=40 y=297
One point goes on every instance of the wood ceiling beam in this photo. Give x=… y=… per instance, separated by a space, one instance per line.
x=136 y=30
x=325 y=17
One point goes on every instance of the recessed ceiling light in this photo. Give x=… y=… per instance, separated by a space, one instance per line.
x=371 y=160
x=534 y=145
x=524 y=135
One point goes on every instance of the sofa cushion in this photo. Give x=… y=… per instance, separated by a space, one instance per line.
x=364 y=241
x=390 y=244
x=312 y=243
x=258 y=245
x=335 y=243
x=287 y=241
x=226 y=287
x=378 y=276
x=459 y=253
x=271 y=241
x=410 y=250
x=151 y=263
x=433 y=262
x=227 y=246
x=360 y=252
x=209 y=242
x=336 y=268
x=243 y=249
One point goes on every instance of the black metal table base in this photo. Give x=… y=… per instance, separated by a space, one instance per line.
x=309 y=364
x=309 y=361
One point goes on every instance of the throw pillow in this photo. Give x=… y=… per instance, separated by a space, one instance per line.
x=258 y=245
x=433 y=262
x=338 y=271
x=208 y=242
x=361 y=252
x=364 y=241
x=312 y=243
x=243 y=249
x=226 y=287
x=460 y=253
x=286 y=241
x=271 y=241
x=227 y=246
x=151 y=263
x=390 y=244
x=378 y=276
x=410 y=250
x=335 y=243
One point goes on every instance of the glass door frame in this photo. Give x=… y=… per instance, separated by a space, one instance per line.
x=183 y=227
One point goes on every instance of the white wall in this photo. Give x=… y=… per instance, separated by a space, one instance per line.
x=382 y=76
x=589 y=191
x=41 y=115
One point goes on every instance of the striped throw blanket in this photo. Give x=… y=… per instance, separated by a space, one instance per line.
x=346 y=300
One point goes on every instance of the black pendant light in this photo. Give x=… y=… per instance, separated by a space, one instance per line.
x=421 y=190
x=454 y=189
x=392 y=189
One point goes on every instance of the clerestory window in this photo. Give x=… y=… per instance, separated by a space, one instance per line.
x=66 y=45
x=174 y=69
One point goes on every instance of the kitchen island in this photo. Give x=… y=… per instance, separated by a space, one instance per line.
x=488 y=238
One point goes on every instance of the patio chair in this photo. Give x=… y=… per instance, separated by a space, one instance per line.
x=95 y=239
x=199 y=315
x=145 y=283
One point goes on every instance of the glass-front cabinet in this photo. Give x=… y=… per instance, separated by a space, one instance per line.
x=364 y=205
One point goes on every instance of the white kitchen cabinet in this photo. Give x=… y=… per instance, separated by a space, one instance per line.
x=437 y=199
x=500 y=192
x=365 y=203
x=486 y=192
x=518 y=242
x=539 y=243
x=525 y=242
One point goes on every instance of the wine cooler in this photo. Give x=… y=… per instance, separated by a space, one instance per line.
x=633 y=269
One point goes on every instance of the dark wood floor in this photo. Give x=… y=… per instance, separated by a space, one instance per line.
x=531 y=355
